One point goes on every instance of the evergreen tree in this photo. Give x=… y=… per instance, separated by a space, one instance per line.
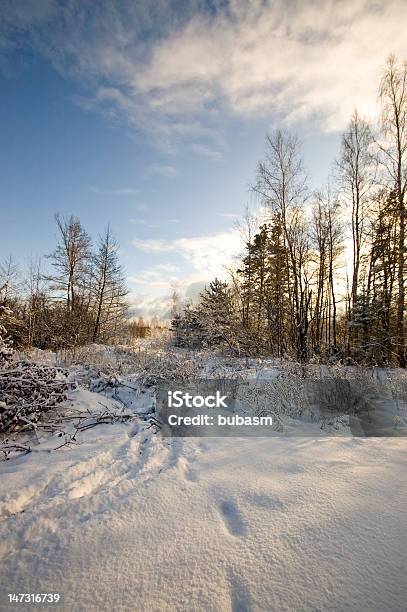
x=218 y=315
x=188 y=328
x=277 y=288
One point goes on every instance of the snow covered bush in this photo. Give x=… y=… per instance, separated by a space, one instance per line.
x=27 y=390
x=6 y=348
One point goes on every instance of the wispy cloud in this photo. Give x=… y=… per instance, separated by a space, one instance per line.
x=147 y=306
x=246 y=59
x=207 y=255
x=142 y=304
x=159 y=275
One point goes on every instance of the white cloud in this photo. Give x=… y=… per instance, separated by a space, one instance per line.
x=247 y=59
x=160 y=275
x=207 y=255
x=147 y=306
x=299 y=59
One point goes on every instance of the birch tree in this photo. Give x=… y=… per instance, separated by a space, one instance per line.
x=282 y=186
x=356 y=176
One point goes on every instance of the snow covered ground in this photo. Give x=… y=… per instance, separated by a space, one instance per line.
x=127 y=520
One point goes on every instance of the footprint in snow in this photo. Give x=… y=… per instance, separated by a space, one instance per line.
x=240 y=598
x=232 y=518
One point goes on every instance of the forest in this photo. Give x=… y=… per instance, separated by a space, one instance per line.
x=82 y=299
x=322 y=276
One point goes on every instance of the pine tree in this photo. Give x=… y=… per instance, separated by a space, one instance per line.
x=277 y=288
x=379 y=338
x=188 y=328
x=218 y=315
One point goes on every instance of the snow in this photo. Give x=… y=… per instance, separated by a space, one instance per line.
x=127 y=520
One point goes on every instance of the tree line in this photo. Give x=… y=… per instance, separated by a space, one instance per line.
x=322 y=276
x=79 y=300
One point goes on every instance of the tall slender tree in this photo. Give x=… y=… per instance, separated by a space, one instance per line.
x=282 y=186
x=356 y=176
x=393 y=95
x=108 y=287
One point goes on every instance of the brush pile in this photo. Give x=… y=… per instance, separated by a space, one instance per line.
x=27 y=390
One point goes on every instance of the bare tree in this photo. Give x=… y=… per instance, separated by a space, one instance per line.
x=108 y=286
x=356 y=175
x=36 y=298
x=71 y=260
x=320 y=240
x=281 y=183
x=9 y=280
x=335 y=248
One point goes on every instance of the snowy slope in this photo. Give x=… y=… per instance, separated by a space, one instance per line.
x=129 y=521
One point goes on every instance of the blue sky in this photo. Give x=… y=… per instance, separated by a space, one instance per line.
x=152 y=117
